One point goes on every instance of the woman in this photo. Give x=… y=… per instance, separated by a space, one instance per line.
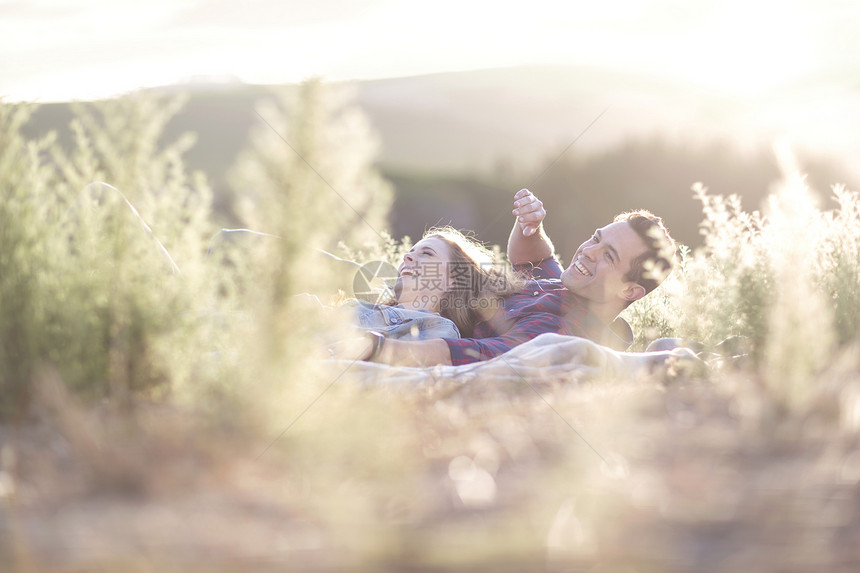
x=453 y=276
x=445 y=285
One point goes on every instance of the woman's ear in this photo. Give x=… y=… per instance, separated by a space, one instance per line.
x=633 y=292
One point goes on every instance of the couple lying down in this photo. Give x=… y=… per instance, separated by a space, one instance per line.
x=448 y=283
x=455 y=305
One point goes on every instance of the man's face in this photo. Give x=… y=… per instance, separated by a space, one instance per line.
x=597 y=270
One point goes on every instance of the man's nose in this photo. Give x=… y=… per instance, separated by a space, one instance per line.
x=407 y=258
x=590 y=252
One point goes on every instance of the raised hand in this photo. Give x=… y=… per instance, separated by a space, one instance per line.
x=529 y=212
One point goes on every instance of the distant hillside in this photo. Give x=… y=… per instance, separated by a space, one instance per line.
x=466 y=121
x=470 y=132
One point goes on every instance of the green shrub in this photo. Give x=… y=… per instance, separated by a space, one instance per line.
x=788 y=280
x=86 y=285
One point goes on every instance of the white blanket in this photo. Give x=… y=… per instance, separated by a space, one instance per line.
x=547 y=359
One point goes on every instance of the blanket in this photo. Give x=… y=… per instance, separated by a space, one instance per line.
x=547 y=359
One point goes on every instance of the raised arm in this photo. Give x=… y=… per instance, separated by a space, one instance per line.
x=528 y=242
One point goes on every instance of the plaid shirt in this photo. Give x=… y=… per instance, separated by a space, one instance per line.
x=543 y=305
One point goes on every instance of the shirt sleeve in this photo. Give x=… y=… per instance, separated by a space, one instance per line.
x=436 y=327
x=469 y=350
x=546 y=269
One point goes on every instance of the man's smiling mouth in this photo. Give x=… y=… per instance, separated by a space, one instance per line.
x=582 y=270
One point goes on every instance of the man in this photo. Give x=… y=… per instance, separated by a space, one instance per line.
x=621 y=262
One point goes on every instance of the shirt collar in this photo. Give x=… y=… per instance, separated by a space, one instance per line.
x=617 y=335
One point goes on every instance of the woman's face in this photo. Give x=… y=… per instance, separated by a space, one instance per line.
x=423 y=276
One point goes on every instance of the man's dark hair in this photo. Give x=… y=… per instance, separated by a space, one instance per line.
x=661 y=249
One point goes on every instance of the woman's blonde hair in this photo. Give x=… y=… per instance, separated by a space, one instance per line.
x=478 y=281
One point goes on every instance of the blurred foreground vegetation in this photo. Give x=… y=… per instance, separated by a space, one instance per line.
x=172 y=413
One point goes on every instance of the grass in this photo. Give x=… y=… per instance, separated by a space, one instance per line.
x=181 y=422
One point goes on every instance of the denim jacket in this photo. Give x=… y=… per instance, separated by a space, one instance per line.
x=403 y=323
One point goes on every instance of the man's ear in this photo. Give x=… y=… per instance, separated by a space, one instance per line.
x=633 y=292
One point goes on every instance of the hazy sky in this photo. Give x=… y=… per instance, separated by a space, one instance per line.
x=56 y=50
